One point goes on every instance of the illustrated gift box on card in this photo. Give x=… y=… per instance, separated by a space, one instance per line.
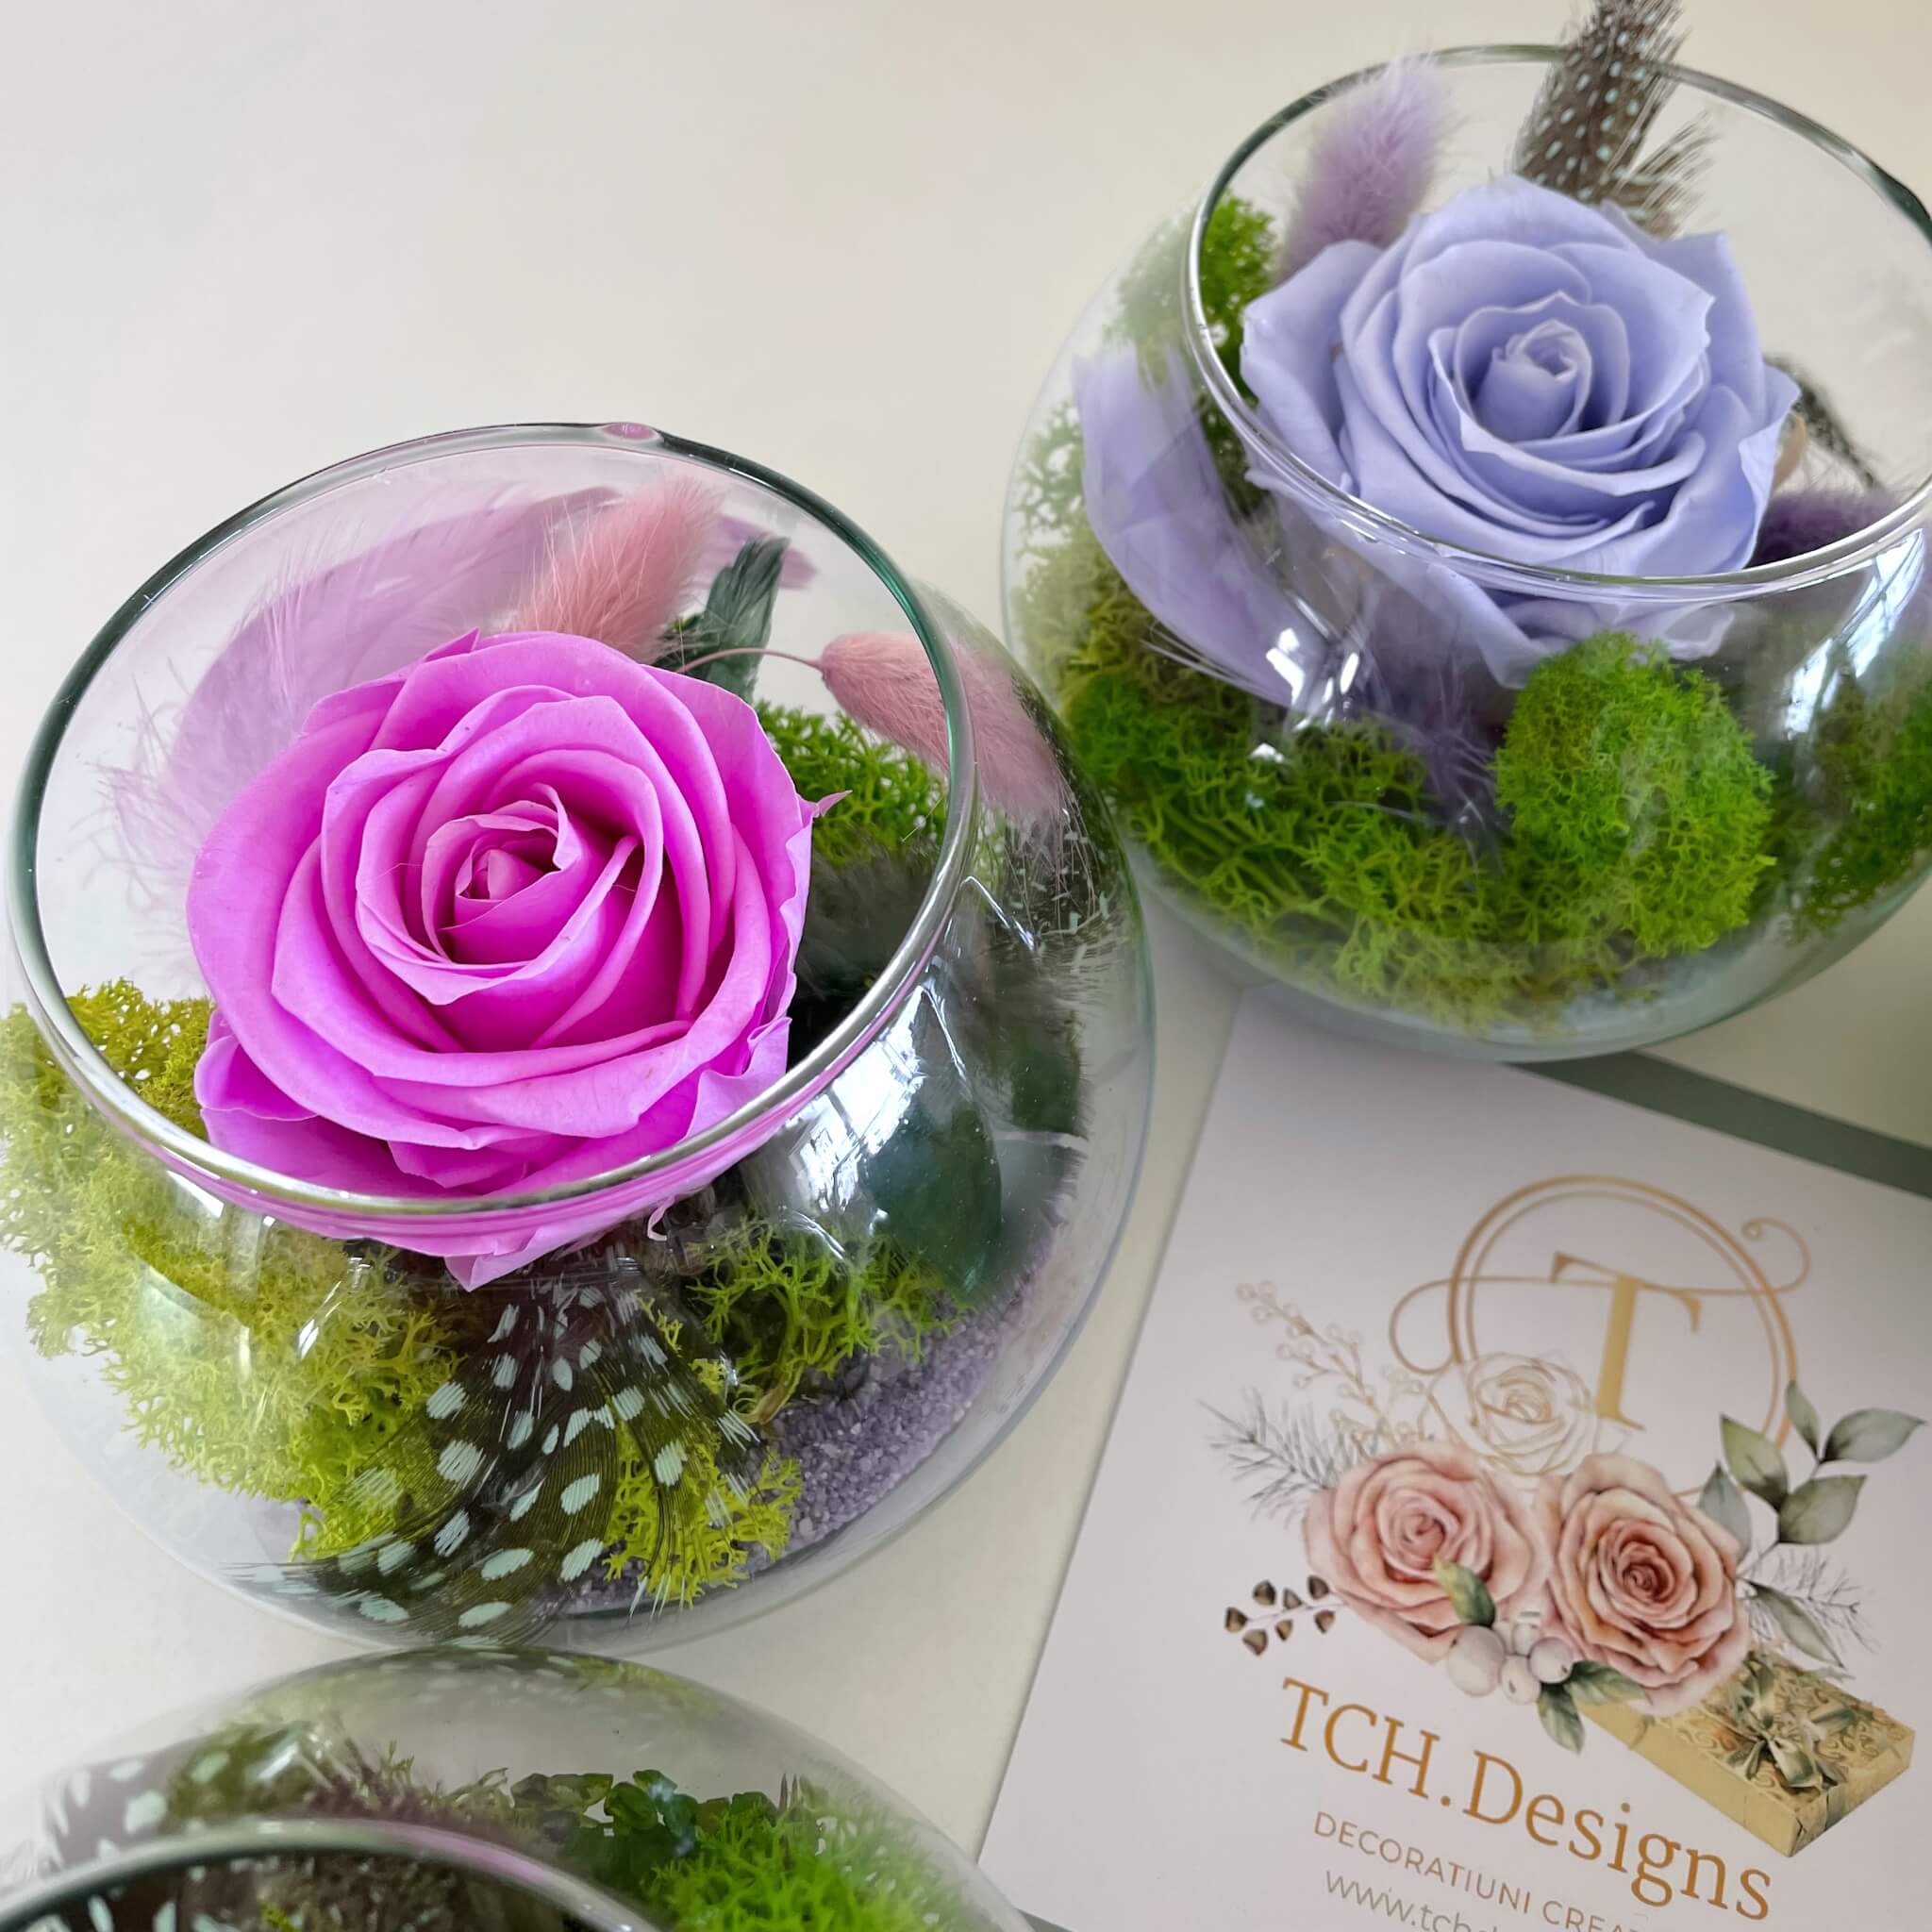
x=1782 y=1752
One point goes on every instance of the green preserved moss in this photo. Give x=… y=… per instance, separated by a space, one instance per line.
x=1637 y=822
x=801 y=1862
x=892 y=798
x=699 y=1532
x=1238 y=264
x=786 y=1308
x=1869 y=827
x=1639 y=816
x=798 y=1866
x=805 y=1861
x=255 y=1356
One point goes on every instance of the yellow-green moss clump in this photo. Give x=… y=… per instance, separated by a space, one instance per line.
x=262 y=1359
x=255 y=1356
x=786 y=1307
x=698 y=1531
x=892 y=798
x=1638 y=814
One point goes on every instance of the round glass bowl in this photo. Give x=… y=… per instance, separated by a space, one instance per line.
x=447 y=1791
x=1666 y=800
x=643 y=1403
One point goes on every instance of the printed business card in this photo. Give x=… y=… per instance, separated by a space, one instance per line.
x=1515 y=1518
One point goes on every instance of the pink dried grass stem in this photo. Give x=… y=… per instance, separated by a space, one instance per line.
x=882 y=679
x=632 y=569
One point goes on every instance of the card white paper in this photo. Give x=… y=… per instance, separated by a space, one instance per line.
x=1514 y=1519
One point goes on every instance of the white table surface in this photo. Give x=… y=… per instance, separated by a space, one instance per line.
x=239 y=238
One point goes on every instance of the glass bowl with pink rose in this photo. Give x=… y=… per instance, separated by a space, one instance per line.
x=580 y=1048
x=1480 y=550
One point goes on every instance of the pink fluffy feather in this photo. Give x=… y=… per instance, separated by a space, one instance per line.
x=1370 y=162
x=882 y=679
x=629 y=571
x=320 y=630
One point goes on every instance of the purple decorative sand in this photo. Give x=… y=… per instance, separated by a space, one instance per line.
x=852 y=1451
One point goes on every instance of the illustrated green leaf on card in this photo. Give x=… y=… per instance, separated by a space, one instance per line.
x=1469 y=1595
x=1796 y=1621
x=1754 y=1460
x=1558 y=1709
x=1595 y=1683
x=1817 y=1511
x=1723 y=1501
x=1870 y=1435
x=1804 y=1418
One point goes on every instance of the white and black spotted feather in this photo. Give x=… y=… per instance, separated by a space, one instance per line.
x=1586 y=134
x=498 y=1490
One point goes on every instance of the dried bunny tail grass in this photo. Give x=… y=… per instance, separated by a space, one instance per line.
x=882 y=679
x=628 y=571
x=1586 y=131
x=1370 y=163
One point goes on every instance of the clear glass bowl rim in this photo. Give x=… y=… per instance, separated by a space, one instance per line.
x=1500 y=572
x=264 y=1838
x=114 y=1096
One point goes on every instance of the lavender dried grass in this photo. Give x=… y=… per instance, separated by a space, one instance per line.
x=1370 y=163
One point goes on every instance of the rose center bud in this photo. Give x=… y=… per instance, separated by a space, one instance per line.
x=1423 y=1532
x=493 y=872
x=1536 y=383
x=499 y=886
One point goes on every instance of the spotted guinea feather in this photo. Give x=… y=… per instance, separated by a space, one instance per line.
x=495 y=1495
x=1586 y=132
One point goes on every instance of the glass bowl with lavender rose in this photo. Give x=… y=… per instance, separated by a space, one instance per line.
x=580 y=1048
x=463 y=1790
x=1481 y=550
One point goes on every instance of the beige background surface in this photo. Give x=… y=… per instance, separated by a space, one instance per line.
x=239 y=238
